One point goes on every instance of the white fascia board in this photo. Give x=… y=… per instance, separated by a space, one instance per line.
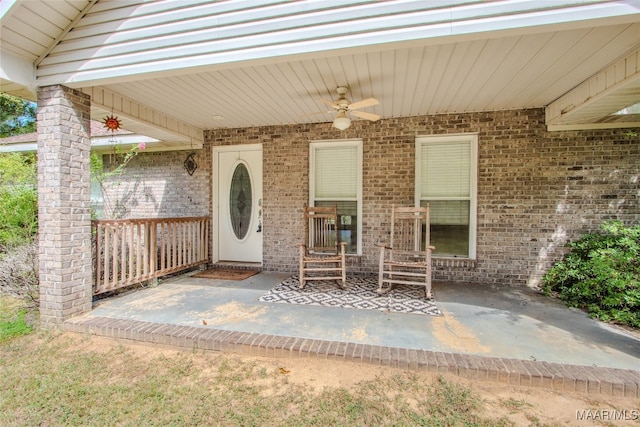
x=106 y=144
x=18 y=71
x=22 y=147
x=151 y=148
x=592 y=126
x=535 y=16
x=110 y=141
x=96 y=142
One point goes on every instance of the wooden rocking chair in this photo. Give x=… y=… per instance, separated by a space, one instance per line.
x=322 y=256
x=407 y=260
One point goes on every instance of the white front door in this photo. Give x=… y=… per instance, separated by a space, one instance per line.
x=238 y=203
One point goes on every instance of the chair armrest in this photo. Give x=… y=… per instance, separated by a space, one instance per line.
x=343 y=246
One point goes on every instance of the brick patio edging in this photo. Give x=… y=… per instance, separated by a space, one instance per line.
x=553 y=376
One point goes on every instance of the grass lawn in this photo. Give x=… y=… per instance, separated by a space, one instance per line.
x=12 y=319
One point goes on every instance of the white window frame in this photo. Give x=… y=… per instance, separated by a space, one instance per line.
x=472 y=138
x=315 y=145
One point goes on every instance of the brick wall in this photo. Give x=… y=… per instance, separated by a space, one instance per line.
x=156 y=185
x=536 y=189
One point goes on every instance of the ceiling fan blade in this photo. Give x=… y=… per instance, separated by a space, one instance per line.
x=364 y=103
x=330 y=104
x=364 y=115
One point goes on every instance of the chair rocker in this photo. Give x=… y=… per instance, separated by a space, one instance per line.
x=407 y=260
x=322 y=256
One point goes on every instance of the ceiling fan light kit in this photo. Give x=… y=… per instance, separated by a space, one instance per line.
x=344 y=107
x=341 y=122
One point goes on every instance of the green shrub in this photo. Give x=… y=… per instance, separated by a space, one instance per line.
x=18 y=215
x=18 y=199
x=601 y=274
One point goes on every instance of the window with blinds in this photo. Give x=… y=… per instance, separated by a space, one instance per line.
x=446 y=180
x=335 y=173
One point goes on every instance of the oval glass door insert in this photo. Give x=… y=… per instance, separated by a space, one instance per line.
x=240 y=198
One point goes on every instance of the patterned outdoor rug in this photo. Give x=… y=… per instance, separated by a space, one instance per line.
x=360 y=293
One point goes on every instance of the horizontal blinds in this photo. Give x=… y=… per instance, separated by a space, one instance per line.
x=336 y=170
x=448 y=212
x=445 y=169
x=346 y=209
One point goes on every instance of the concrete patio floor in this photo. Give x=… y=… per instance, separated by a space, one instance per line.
x=541 y=339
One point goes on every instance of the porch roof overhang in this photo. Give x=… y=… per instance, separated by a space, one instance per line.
x=102 y=141
x=170 y=70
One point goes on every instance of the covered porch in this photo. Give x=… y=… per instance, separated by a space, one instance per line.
x=491 y=332
x=535 y=91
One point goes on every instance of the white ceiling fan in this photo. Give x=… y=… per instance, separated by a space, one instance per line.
x=344 y=108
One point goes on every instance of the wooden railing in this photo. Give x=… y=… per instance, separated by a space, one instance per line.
x=131 y=251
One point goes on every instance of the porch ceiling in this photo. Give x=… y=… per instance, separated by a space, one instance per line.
x=496 y=66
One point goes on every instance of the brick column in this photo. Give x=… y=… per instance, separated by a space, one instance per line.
x=64 y=196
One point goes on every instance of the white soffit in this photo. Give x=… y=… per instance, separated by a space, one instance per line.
x=205 y=64
x=592 y=104
x=117 y=41
x=143 y=119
